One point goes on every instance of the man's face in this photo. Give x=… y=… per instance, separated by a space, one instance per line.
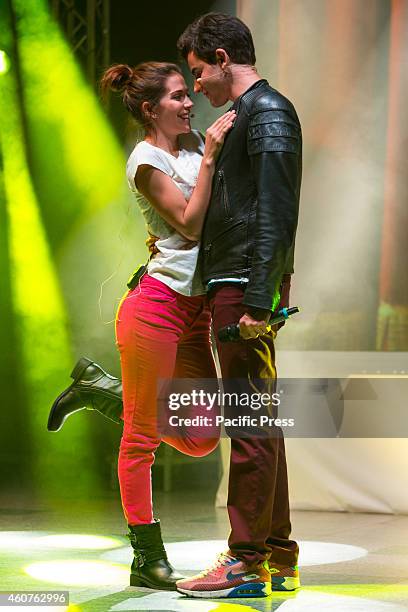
x=210 y=80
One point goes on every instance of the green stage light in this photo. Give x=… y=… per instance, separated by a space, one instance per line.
x=78 y=170
x=40 y=315
x=4 y=62
x=78 y=161
x=38 y=305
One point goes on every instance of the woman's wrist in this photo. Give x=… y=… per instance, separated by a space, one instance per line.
x=208 y=161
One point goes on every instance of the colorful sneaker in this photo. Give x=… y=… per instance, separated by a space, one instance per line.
x=228 y=577
x=284 y=578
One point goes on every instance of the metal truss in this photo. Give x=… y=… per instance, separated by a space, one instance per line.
x=86 y=26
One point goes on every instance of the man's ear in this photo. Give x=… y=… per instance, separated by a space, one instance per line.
x=222 y=57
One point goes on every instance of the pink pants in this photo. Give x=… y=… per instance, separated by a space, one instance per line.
x=160 y=334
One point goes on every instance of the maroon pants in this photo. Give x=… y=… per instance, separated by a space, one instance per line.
x=258 y=502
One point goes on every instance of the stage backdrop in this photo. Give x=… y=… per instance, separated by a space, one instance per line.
x=344 y=65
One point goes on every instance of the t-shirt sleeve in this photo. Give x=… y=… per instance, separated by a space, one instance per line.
x=145 y=155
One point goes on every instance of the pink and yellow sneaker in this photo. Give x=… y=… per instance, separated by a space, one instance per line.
x=284 y=578
x=228 y=577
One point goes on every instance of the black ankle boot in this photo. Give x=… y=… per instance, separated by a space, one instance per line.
x=92 y=388
x=150 y=567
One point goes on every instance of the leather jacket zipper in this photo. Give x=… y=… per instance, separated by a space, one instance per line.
x=224 y=194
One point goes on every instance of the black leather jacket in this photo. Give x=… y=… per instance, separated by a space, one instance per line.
x=250 y=227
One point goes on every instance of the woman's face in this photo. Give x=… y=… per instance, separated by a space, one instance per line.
x=173 y=110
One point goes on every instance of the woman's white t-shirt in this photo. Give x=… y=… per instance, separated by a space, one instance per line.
x=176 y=262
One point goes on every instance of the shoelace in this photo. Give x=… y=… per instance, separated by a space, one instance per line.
x=222 y=559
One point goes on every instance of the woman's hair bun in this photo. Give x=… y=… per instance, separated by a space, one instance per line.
x=117 y=78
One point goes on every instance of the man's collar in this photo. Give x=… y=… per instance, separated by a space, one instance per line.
x=255 y=85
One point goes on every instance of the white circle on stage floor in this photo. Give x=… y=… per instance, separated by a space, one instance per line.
x=78 y=572
x=198 y=554
x=186 y=555
x=39 y=540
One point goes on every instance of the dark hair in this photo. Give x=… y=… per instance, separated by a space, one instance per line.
x=218 y=31
x=143 y=83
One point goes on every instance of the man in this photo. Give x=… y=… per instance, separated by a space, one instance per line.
x=247 y=252
x=247 y=249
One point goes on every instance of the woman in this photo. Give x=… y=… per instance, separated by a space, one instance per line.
x=163 y=323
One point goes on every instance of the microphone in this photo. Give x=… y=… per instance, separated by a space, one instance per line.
x=219 y=75
x=222 y=74
x=231 y=333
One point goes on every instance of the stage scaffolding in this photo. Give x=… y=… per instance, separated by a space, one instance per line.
x=86 y=26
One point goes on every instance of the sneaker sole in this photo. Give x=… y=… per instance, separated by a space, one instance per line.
x=285 y=584
x=251 y=589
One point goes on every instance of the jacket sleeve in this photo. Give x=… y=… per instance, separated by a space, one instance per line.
x=275 y=150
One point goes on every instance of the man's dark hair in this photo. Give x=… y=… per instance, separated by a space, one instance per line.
x=218 y=31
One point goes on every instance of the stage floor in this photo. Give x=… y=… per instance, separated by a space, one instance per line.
x=349 y=562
